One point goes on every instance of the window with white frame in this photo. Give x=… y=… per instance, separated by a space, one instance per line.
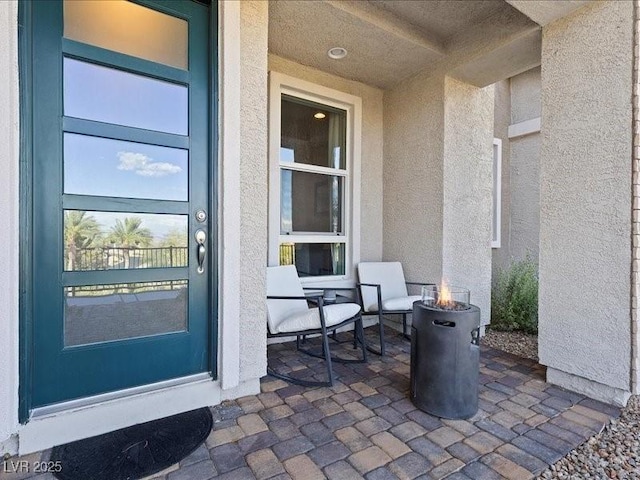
x=496 y=223
x=312 y=178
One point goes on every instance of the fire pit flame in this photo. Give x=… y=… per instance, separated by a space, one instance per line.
x=445 y=297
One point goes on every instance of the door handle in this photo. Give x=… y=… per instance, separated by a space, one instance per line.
x=201 y=238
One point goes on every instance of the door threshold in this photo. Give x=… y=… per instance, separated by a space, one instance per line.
x=80 y=403
x=70 y=421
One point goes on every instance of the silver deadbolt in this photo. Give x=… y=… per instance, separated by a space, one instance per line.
x=201 y=216
x=201 y=238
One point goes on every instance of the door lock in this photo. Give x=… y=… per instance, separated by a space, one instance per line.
x=201 y=216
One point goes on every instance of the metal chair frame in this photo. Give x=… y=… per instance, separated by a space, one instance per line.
x=324 y=332
x=381 y=312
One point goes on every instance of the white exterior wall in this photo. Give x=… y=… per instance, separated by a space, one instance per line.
x=501 y=122
x=437 y=182
x=635 y=278
x=585 y=201
x=9 y=141
x=520 y=169
x=525 y=95
x=413 y=170
x=253 y=188
x=467 y=195
x=524 y=169
x=371 y=196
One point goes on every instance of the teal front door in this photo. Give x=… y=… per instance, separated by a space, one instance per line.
x=122 y=179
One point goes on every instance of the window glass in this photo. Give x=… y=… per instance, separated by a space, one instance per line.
x=312 y=134
x=108 y=95
x=128 y=28
x=310 y=202
x=113 y=168
x=314 y=259
x=103 y=313
x=116 y=241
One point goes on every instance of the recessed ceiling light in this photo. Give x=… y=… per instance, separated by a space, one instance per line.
x=337 y=53
x=319 y=115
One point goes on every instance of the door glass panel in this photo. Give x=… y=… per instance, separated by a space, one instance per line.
x=128 y=28
x=103 y=313
x=115 y=241
x=314 y=259
x=313 y=134
x=103 y=94
x=113 y=168
x=310 y=202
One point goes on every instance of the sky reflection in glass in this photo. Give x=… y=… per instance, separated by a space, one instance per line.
x=108 y=95
x=114 y=168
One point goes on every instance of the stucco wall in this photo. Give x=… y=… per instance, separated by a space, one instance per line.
x=467 y=192
x=413 y=152
x=585 y=195
x=524 y=169
x=371 y=156
x=9 y=138
x=520 y=170
x=524 y=208
x=501 y=122
x=253 y=186
x=525 y=95
x=635 y=278
x=437 y=182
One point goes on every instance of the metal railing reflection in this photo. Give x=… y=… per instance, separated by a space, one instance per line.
x=117 y=258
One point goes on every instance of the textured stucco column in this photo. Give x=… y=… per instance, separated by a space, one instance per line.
x=9 y=138
x=524 y=223
x=412 y=181
x=585 y=201
x=437 y=182
x=254 y=28
x=635 y=278
x=467 y=190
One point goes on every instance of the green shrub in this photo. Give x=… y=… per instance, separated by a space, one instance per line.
x=514 y=298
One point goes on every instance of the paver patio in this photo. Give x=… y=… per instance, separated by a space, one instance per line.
x=365 y=425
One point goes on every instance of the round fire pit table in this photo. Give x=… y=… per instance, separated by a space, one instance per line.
x=445 y=356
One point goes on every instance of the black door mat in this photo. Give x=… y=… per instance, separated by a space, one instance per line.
x=134 y=452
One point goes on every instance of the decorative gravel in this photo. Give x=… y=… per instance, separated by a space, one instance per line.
x=614 y=453
x=518 y=343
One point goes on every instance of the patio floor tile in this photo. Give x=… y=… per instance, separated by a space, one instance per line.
x=341 y=471
x=365 y=426
x=264 y=464
x=463 y=452
x=369 y=459
x=301 y=467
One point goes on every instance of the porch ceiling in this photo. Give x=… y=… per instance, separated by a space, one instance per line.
x=390 y=40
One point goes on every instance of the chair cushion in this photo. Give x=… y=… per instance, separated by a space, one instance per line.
x=389 y=275
x=400 y=303
x=309 y=320
x=283 y=281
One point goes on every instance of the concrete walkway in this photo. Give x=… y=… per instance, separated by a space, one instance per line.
x=365 y=426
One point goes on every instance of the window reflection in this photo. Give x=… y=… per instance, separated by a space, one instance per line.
x=116 y=241
x=310 y=138
x=102 y=313
x=314 y=259
x=128 y=28
x=113 y=168
x=310 y=202
x=103 y=94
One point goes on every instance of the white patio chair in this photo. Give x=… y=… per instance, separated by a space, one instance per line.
x=383 y=291
x=289 y=314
